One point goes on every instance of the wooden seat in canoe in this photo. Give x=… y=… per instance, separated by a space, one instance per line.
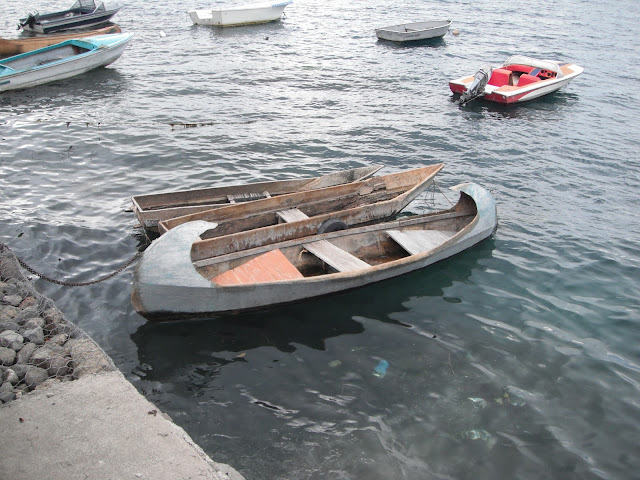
x=247 y=197
x=419 y=241
x=268 y=267
x=335 y=257
x=291 y=215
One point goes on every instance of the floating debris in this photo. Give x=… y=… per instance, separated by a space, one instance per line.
x=335 y=363
x=381 y=369
x=478 y=402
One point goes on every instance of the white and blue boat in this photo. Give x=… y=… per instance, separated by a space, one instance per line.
x=63 y=60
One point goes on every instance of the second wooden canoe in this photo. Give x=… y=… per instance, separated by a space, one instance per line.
x=15 y=46
x=156 y=207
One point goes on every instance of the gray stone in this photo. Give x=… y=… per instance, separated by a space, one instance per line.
x=13 y=300
x=10 y=376
x=7 y=356
x=53 y=320
x=9 y=325
x=35 y=376
x=25 y=354
x=9 y=312
x=34 y=335
x=9 y=289
x=58 y=366
x=20 y=370
x=26 y=314
x=41 y=356
x=28 y=302
x=6 y=392
x=59 y=339
x=88 y=358
x=11 y=339
x=34 y=322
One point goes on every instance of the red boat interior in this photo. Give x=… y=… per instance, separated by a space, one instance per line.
x=518 y=75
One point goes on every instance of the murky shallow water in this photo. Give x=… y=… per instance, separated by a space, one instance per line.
x=534 y=368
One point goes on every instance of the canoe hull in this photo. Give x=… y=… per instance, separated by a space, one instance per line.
x=66 y=68
x=153 y=208
x=233 y=17
x=17 y=46
x=163 y=288
x=411 y=32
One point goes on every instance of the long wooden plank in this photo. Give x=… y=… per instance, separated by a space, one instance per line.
x=337 y=258
x=419 y=241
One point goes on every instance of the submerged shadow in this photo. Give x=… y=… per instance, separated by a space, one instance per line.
x=174 y=344
x=427 y=42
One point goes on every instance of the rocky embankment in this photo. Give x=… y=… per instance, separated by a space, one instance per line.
x=38 y=346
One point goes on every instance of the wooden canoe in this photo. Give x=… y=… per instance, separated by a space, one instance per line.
x=304 y=213
x=9 y=47
x=168 y=283
x=153 y=208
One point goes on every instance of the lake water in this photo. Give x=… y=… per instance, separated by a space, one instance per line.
x=534 y=371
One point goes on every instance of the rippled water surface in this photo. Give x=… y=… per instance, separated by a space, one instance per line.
x=517 y=359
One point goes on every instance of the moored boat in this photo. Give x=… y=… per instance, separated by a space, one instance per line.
x=169 y=283
x=519 y=79
x=15 y=46
x=308 y=212
x=63 y=60
x=233 y=16
x=152 y=208
x=82 y=14
x=411 y=32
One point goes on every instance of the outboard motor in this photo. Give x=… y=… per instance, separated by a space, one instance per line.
x=476 y=89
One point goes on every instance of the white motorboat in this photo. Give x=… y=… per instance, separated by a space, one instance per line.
x=233 y=16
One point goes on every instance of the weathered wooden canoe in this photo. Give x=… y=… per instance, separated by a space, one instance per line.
x=15 y=46
x=352 y=204
x=153 y=208
x=168 y=283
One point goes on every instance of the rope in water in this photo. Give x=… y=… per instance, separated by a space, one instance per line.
x=78 y=284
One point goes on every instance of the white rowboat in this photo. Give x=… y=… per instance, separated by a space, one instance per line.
x=239 y=15
x=169 y=283
x=411 y=32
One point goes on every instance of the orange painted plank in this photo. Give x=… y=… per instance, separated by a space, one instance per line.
x=268 y=267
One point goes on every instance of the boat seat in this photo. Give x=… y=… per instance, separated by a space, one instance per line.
x=247 y=197
x=268 y=267
x=527 y=79
x=335 y=257
x=419 y=241
x=501 y=77
x=291 y=215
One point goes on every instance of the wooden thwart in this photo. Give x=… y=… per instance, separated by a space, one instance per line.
x=419 y=241
x=291 y=215
x=335 y=257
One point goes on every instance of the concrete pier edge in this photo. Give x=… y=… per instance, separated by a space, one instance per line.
x=97 y=426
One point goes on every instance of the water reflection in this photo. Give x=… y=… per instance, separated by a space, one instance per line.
x=428 y=42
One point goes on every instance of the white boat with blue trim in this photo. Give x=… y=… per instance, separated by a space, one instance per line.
x=233 y=16
x=176 y=279
x=63 y=60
